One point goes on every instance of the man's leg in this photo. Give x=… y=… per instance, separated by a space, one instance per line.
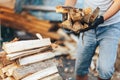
x=86 y=49
x=107 y=58
x=108 y=44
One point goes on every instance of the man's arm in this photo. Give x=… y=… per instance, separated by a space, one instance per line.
x=70 y=3
x=115 y=7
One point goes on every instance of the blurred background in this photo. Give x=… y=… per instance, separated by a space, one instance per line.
x=22 y=19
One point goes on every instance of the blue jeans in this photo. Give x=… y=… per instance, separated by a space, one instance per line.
x=107 y=38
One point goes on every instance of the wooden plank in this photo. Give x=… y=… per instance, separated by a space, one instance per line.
x=53 y=77
x=16 y=55
x=42 y=73
x=23 y=71
x=25 y=45
x=36 y=58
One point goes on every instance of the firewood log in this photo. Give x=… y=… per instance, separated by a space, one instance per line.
x=17 y=55
x=42 y=73
x=25 y=45
x=36 y=58
x=24 y=71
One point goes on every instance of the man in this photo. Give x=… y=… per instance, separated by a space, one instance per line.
x=105 y=33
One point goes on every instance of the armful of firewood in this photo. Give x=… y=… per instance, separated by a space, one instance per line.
x=77 y=20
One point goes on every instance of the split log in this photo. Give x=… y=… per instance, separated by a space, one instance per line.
x=9 y=78
x=94 y=14
x=23 y=71
x=27 y=23
x=2 y=74
x=25 y=45
x=72 y=49
x=53 y=77
x=10 y=70
x=3 y=60
x=63 y=34
x=42 y=73
x=76 y=14
x=74 y=38
x=16 y=55
x=5 y=69
x=59 y=50
x=77 y=26
x=36 y=58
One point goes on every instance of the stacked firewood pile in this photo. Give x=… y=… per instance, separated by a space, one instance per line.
x=29 y=60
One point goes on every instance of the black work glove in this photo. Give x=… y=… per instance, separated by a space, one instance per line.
x=94 y=24
x=97 y=22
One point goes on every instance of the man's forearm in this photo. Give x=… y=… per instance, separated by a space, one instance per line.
x=115 y=7
x=70 y=3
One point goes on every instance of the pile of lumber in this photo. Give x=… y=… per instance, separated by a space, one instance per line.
x=28 y=60
x=27 y=23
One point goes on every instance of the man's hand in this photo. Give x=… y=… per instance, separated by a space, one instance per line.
x=94 y=24
x=97 y=22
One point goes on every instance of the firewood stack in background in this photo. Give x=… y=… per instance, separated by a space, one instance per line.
x=27 y=22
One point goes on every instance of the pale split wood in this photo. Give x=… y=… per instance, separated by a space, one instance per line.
x=25 y=45
x=63 y=34
x=39 y=36
x=16 y=55
x=41 y=74
x=74 y=38
x=2 y=74
x=24 y=71
x=9 y=78
x=36 y=58
x=53 y=77
x=4 y=69
x=10 y=70
x=4 y=61
x=72 y=49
